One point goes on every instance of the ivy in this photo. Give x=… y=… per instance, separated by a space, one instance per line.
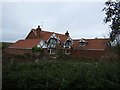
x=37 y=49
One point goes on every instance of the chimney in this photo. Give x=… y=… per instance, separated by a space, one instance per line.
x=67 y=34
x=38 y=31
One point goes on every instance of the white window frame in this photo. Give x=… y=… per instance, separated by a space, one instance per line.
x=68 y=39
x=51 y=51
x=53 y=36
x=82 y=42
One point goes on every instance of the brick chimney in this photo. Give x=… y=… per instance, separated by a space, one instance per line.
x=38 y=31
x=67 y=34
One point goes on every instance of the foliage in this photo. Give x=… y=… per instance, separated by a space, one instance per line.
x=37 y=49
x=61 y=53
x=4 y=45
x=116 y=50
x=112 y=11
x=62 y=74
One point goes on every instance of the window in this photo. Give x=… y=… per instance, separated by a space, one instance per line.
x=82 y=42
x=51 y=51
x=68 y=44
x=52 y=42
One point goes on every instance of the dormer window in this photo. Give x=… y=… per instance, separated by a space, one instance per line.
x=53 y=36
x=82 y=42
x=53 y=41
x=68 y=43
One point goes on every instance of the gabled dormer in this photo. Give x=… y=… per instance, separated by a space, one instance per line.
x=53 y=41
x=68 y=43
x=82 y=42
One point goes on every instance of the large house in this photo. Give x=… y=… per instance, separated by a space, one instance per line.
x=51 y=42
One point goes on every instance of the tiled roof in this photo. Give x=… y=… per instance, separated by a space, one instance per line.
x=45 y=35
x=92 y=44
x=25 y=44
x=62 y=37
x=31 y=42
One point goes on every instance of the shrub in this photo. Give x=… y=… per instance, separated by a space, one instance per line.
x=62 y=74
x=37 y=49
x=4 y=45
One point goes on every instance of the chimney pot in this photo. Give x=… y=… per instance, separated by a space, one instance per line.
x=38 y=31
x=67 y=34
x=38 y=26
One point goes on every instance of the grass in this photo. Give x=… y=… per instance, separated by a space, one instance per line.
x=62 y=74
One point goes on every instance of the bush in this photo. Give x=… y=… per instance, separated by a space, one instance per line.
x=37 y=49
x=62 y=74
x=4 y=45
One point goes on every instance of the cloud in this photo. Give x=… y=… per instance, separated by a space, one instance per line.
x=83 y=19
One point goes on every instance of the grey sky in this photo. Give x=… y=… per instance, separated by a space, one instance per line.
x=81 y=19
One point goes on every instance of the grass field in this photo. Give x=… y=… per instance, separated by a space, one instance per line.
x=62 y=74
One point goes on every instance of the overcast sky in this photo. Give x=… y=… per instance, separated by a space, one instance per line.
x=81 y=19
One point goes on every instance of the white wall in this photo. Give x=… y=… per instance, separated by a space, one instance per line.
x=42 y=44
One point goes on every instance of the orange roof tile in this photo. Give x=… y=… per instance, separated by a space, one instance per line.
x=25 y=44
x=62 y=37
x=45 y=35
x=92 y=44
x=31 y=42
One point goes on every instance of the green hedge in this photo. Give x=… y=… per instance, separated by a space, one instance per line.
x=61 y=74
x=37 y=49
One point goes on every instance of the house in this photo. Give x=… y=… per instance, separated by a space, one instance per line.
x=43 y=39
x=91 y=48
x=51 y=42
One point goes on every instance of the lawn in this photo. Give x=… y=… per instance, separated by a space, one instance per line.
x=61 y=74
